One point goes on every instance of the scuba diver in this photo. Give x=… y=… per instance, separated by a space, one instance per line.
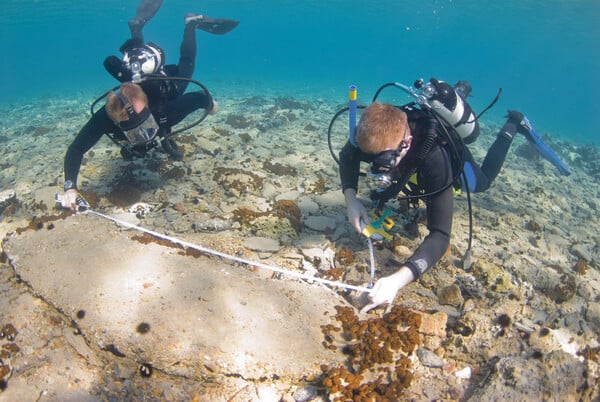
x=150 y=100
x=416 y=151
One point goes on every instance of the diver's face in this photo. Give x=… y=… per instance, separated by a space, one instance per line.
x=390 y=158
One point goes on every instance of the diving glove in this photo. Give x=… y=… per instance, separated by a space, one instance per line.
x=523 y=125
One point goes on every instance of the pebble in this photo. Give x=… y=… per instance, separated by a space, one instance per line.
x=468 y=305
x=330 y=199
x=312 y=241
x=525 y=325
x=580 y=250
x=320 y=223
x=592 y=315
x=434 y=324
x=465 y=373
x=212 y=225
x=451 y=295
x=308 y=206
x=290 y=195
x=6 y=195
x=262 y=244
x=305 y=394
x=324 y=259
x=429 y=359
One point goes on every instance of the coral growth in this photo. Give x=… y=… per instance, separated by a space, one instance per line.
x=37 y=223
x=124 y=194
x=581 y=267
x=237 y=180
x=238 y=121
x=168 y=171
x=333 y=274
x=344 y=256
x=318 y=187
x=279 y=169
x=245 y=215
x=283 y=209
x=223 y=132
x=255 y=101
x=284 y=102
x=376 y=348
x=289 y=210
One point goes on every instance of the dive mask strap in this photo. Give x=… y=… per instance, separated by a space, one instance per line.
x=135 y=119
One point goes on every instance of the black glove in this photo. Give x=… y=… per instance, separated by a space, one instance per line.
x=115 y=67
x=516 y=117
x=130 y=44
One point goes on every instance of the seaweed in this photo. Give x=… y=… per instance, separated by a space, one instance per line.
x=238 y=121
x=237 y=179
x=279 y=169
x=285 y=102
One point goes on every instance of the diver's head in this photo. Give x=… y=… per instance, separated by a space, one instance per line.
x=142 y=59
x=129 y=110
x=384 y=133
x=133 y=94
x=463 y=88
x=383 y=130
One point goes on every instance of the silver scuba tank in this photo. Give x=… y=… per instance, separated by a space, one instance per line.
x=452 y=108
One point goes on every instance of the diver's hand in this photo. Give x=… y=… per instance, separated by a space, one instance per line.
x=523 y=125
x=515 y=116
x=356 y=210
x=215 y=107
x=69 y=199
x=385 y=290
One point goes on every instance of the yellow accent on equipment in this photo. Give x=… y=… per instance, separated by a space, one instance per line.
x=352 y=93
x=379 y=225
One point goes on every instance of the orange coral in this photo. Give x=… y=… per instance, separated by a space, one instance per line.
x=371 y=344
x=344 y=256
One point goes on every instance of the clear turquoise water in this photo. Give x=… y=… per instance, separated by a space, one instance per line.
x=545 y=55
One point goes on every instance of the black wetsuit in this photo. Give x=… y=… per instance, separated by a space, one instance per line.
x=479 y=179
x=167 y=102
x=433 y=173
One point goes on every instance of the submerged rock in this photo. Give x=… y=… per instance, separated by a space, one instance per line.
x=262 y=244
x=320 y=223
x=451 y=295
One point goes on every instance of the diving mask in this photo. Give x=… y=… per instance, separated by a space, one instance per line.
x=383 y=163
x=140 y=128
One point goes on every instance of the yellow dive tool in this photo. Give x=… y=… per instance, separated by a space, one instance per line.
x=378 y=227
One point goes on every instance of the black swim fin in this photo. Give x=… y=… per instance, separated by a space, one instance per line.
x=217 y=26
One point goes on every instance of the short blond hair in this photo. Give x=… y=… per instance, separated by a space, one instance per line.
x=114 y=106
x=382 y=127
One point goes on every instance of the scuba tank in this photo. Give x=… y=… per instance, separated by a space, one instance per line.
x=451 y=107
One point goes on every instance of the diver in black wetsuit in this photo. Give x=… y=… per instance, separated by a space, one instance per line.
x=479 y=178
x=401 y=143
x=145 y=118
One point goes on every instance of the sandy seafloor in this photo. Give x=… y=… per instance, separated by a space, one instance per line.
x=536 y=240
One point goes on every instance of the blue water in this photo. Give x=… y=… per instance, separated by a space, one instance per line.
x=545 y=55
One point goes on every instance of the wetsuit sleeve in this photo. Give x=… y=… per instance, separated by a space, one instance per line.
x=350 y=158
x=435 y=173
x=89 y=135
